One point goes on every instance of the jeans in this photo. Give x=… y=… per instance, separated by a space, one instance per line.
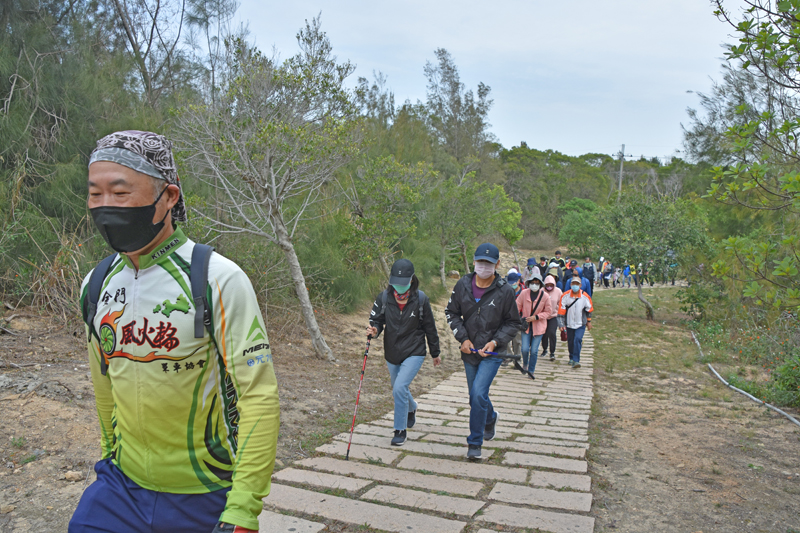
x=549 y=337
x=402 y=375
x=115 y=504
x=530 y=349
x=575 y=343
x=481 y=412
x=627 y=280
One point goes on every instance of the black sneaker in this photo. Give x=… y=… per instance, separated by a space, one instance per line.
x=412 y=419
x=552 y=356
x=399 y=437
x=474 y=452
x=489 y=430
x=519 y=367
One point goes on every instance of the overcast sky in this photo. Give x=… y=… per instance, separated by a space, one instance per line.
x=577 y=77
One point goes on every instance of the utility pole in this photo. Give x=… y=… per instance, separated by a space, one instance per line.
x=622 y=156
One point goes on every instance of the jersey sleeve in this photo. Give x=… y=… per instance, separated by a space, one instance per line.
x=104 y=401
x=242 y=340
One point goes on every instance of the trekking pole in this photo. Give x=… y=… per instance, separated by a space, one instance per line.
x=353 y=426
x=500 y=355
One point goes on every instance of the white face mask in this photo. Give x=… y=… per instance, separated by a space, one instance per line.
x=484 y=270
x=535 y=287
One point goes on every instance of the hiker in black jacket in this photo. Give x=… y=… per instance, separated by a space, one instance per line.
x=405 y=313
x=482 y=313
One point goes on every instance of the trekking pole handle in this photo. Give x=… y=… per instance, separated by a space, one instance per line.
x=500 y=355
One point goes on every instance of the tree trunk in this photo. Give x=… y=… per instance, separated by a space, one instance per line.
x=465 y=258
x=516 y=259
x=386 y=270
x=442 y=262
x=651 y=314
x=321 y=348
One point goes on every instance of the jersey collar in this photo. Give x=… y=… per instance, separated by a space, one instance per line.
x=173 y=242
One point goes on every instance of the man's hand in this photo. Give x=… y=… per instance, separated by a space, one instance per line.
x=222 y=527
x=490 y=346
x=371 y=330
x=437 y=361
x=589 y=326
x=466 y=346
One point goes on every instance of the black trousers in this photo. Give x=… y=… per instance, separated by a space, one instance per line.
x=549 y=337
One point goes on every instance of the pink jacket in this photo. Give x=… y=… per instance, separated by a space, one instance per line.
x=555 y=295
x=544 y=309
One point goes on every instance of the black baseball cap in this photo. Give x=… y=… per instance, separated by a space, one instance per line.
x=402 y=271
x=487 y=252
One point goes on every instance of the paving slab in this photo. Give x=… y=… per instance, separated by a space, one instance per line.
x=556 y=499
x=382 y=430
x=557 y=480
x=359 y=451
x=536 y=432
x=410 y=445
x=320 y=479
x=544 y=461
x=570 y=405
x=552 y=442
x=424 y=500
x=392 y=475
x=358 y=512
x=269 y=522
x=425 y=429
x=434 y=408
x=549 y=521
x=464 y=469
x=500 y=442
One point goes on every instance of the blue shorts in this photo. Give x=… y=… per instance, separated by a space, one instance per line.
x=115 y=504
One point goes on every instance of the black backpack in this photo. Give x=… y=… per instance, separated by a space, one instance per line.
x=198 y=274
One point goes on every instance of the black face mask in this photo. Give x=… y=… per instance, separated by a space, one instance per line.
x=127 y=229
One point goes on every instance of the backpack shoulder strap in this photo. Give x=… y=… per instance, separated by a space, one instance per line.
x=384 y=300
x=198 y=274
x=422 y=299
x=95 y=286
x=92 y=297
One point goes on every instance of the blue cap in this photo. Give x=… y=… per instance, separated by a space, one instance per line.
x=487 y=252
x=512 y=277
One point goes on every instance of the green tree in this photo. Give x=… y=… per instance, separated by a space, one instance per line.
x=763 y=173
x=579 y=225
x=647 y=228
x=382 y=196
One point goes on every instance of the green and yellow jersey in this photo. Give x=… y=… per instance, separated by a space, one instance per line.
x=180 y=414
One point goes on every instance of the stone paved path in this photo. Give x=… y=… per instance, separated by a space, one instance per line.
x=534 y=473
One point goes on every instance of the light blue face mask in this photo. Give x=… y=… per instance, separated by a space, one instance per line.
x=576 y=287
x=402 y=289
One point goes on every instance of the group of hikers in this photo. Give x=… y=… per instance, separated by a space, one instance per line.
x=487 y=313
x=181 y=365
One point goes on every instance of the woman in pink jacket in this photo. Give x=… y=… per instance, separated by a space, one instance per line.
x=549 y=339
x=535 y=308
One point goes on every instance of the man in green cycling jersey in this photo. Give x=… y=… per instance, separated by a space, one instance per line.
x=188 y=423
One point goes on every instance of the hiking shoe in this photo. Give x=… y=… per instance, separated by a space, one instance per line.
x=571 y=362
x=552 y=356
x=474 y=452
x=519 y=367
x=576 y=365
x=412 y=419
x=399 y=437
x=530 y=375
x=489 y=430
